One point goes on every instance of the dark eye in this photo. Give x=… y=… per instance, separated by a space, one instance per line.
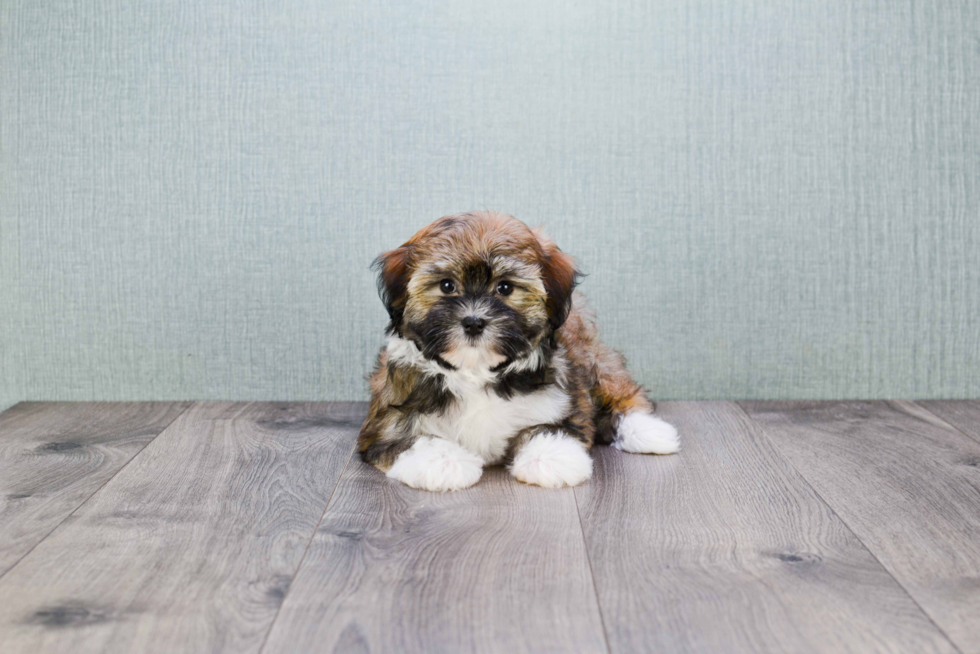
x=505 y=288
x=447 y=286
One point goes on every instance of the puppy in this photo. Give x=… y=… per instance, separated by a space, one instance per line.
x=492 y=359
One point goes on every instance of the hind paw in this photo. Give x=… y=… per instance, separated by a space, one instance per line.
x=642 y=433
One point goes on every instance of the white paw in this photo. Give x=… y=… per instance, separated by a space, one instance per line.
x=552 y=460
x=436 y=464
x=643 y=433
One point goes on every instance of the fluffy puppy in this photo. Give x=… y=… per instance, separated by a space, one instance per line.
x=492 y=358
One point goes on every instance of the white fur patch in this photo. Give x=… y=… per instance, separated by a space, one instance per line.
x=533 y=361
x=643 y=433
x=468 y=357
x=552 y=460
x=401 y=350
x=435 y=464
x=483 y=422
x=480 y=420
x=404 y=351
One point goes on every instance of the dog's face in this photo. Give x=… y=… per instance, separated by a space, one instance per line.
x=476 y=290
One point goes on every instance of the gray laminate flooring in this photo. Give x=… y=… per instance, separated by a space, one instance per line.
x=255 y=527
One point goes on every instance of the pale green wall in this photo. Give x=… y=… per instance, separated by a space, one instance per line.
x=773 y=198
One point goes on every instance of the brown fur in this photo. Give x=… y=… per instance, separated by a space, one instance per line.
x=612 y=391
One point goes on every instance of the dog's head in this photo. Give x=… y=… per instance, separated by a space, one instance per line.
x=477 y=289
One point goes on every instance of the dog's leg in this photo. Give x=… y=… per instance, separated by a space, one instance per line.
x=644 y=433
x=625 y=419
x=391 y=439
x=550 y=457
x=623 y=413
x=435 y=464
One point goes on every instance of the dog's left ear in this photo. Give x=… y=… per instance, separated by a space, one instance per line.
x=393 y=276
x=560 y=276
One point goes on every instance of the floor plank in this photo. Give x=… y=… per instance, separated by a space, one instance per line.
x=500 y=567
x=54 y=456
x=724 y=548
x=962 y=414
x=192 y=546
x=907 y=484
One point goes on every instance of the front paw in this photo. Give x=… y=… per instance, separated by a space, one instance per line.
x=435 y=464
x=552 y=460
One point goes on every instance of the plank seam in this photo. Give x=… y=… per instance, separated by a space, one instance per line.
x=938 y=417
x=97 y=490
x=306 y=551
x=588 y=559
x=788 y=462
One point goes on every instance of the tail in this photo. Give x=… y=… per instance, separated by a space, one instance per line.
x=624 y=414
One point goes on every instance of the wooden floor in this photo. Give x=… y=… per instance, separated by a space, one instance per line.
x=247 y=527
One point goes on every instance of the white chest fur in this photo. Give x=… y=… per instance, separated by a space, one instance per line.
x=479 y=419
x=483 y=422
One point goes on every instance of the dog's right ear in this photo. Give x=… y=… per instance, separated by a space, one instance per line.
x=393 y=276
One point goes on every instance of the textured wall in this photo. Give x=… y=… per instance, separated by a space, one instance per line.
x=773 y=198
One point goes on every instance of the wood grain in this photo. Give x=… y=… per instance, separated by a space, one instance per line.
x=724 y=548
x=907 y=484
x=500 y=567
x=962 y=414
x=54 y=456
x=193 y=545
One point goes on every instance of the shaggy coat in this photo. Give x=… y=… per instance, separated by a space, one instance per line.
x=489 y=346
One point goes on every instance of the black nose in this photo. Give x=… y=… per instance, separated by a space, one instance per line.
x=473 y=325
